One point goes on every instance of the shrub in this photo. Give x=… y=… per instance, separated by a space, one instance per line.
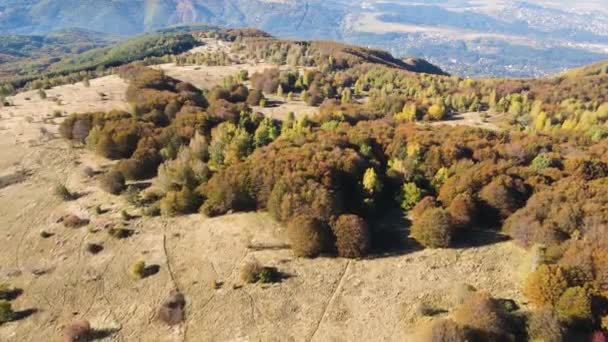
x=6 y=312
x=64 y=193
x=446 y=330
x=433 y=229
x=428 y=202
x=352 y=236
x=106 y=146
x=482 y=313
x=73 y=221
x=77 y=330
x=89 y=171
x=545 y=285
x=307 y=236
x=253 y=272
x=574 y=306
x=171 y=310
x=94 y=248
x=142 y=167
x=269 y=275
x=250 y=272
x=112 y=182
x=544 y=326
x=184 y=201
x=120 y=233
x=138 y=269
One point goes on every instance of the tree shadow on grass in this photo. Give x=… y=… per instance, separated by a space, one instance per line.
x=478 y=237
x=11 y=294
x=390 y=235
x=100 y=334
x=23 y=314
x=151 y=270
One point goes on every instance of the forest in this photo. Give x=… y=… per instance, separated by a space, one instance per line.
x=374 y=147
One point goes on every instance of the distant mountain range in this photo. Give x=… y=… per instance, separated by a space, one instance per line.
x=464 y=37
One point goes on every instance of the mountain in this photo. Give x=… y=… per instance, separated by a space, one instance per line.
x=464 y=37
x=25 y=58
x=30 y=55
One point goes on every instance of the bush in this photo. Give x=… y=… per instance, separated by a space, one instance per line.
x=120 y=233
x=545 y=285
x=171 y=310
x=482 y=313
x=77 y=330
x=140 y=167
x=73 y=221
x=112 y=182
x=429 y=202
x=89 y=172
x=574 y=307
x=138 y=269
x=6 y=312
x=433 y=229
x=184 y=201
x=62 y=192
x=352 y=236
x=94 y=248
x=446 y=330
x=307 y=236
x=250 y=272
x=544 y=326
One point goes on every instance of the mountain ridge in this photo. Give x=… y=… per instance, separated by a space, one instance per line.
x=511 y=38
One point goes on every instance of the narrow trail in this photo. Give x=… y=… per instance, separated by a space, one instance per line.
x=331 y=300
